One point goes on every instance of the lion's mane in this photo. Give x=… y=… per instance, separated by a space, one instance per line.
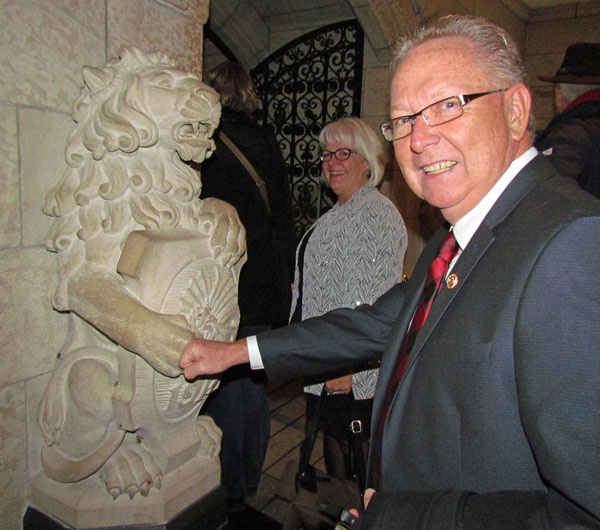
x=119 y=178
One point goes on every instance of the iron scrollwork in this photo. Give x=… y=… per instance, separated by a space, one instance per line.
x=308 y=83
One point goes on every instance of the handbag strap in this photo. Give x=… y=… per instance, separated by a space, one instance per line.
x=311 y=435
x=297 y=314
x=260 y=183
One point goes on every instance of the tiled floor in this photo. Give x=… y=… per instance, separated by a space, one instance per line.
x=287 y=432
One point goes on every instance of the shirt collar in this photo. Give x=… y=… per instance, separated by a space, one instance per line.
x=469 y=223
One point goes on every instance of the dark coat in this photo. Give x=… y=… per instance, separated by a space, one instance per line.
x=495 y=423
x=574 y=137
x=266 y=278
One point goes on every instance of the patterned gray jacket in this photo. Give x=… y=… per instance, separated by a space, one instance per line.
x=354 y=255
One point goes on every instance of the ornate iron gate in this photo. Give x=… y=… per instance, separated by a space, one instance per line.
x=308 y=83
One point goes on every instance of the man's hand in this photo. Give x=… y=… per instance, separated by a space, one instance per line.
x=367 y=496
x=209 y=357
x=341 y=384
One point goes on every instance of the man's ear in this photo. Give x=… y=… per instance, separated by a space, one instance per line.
x=518 y=100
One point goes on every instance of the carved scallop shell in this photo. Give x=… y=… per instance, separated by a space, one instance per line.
x=206 y=294
x=207 y=297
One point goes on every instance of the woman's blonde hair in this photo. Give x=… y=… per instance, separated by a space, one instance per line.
x=358 y=136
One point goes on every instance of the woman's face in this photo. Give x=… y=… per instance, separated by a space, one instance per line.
x=345 y=177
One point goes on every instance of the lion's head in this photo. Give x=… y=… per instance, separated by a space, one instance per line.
x=137 y=118
x=138 y=100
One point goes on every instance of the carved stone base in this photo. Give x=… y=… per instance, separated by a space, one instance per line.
x=87 y=504
x=209 y=513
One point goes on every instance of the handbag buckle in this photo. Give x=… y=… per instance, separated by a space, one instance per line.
x=356 y=426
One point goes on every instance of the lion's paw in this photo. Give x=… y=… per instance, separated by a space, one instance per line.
x=210 y=437
x=131 y=470
x=227 y=233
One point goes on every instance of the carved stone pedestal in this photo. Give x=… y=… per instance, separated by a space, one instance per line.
x=87 y=505
x=208 y=513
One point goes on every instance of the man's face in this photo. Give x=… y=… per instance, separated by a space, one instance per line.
x=452 y=165
x=560 y=102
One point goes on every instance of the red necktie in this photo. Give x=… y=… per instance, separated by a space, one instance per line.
x=435 y=276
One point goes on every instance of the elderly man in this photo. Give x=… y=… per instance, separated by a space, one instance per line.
x=572 y=138
x=487 y=407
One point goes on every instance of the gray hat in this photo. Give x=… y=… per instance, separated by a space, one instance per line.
x=581 y=65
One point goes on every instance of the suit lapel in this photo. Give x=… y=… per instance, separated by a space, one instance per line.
x=466 y=262
x=538 y=170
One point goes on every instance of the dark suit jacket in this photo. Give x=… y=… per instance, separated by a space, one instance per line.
x=496 y=422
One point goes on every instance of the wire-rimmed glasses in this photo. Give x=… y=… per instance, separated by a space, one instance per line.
x=435 y=114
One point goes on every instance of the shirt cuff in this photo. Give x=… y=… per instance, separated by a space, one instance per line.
x=254 y=353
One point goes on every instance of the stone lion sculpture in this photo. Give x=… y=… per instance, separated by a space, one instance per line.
x=144 y=265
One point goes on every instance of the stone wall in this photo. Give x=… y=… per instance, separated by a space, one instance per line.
x=43 y=47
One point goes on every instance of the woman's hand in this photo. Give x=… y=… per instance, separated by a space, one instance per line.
x=340 y=385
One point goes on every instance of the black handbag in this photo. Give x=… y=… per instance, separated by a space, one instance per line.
x=319 y=498
x=348 y=421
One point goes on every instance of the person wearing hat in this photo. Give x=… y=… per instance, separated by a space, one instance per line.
x=572 y=139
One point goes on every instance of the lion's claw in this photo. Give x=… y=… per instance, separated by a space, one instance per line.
x=131 y=470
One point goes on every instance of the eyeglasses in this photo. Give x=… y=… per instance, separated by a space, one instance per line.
x=435 y=114
x=340 y=154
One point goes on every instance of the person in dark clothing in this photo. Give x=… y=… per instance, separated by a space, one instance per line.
x=572 y=139
x=240 y=407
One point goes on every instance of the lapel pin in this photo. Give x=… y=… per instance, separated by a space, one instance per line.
x=452 y=281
